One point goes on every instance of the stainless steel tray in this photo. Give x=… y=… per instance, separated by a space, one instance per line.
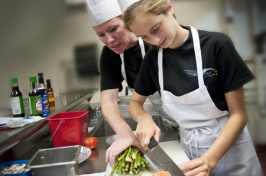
x=58 y=161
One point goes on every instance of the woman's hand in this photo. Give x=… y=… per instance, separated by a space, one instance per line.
x=146 y=128
x=121 y=144
x=196 y=167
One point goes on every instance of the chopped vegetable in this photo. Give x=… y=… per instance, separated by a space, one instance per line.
x=130 y=162
x=162 y=173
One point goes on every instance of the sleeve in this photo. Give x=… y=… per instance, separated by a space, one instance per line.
x=144 y=84
x=232 y=70
x=110 y=66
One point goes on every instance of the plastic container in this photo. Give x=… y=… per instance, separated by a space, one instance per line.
x=69 y=128
x=20 y=162
x=56 y=161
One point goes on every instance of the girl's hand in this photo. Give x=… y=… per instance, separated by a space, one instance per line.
x=121 y=144
x=195 y=167
x=146 y=128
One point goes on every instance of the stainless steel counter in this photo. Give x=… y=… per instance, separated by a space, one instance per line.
x=35 y=133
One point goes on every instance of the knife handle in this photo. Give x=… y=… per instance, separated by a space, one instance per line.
x=152 y=143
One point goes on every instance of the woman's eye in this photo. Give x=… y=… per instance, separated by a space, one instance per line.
x=155 y=30
x=113 y=29
x=101 y=35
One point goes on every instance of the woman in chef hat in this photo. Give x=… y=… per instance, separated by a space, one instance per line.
x=121 y=58
x=200 y=77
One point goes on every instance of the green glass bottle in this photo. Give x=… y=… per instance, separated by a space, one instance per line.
x=35 y=99
x=16 y=99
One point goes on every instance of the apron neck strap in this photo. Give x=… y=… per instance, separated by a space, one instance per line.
x=142 y=47
x=123 y=69
x=197 y=50
x=160 y=69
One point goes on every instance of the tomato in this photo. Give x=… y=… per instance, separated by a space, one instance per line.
x=91 y=142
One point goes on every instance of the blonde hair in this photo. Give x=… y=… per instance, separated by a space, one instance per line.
x=155 y=7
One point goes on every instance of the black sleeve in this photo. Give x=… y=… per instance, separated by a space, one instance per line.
x=110 y=66
x=232 y=70
x=144 y=84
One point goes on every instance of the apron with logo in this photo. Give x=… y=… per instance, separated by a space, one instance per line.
x=201 y=121
x=155 y=98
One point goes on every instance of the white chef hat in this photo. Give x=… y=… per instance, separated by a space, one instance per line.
x=101 y=11
x=125 y=3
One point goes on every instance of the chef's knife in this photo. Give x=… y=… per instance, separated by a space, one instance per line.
x=159 y=160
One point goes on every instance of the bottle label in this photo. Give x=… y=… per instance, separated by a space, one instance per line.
x=50 y=96
x=35 y=104
x=17 y=105
x=45 y=106
x=43 y=92
x=45 y=103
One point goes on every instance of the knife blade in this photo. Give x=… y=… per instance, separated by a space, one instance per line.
x=160 y=161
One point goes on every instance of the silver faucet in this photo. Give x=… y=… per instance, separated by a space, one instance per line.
x=96 y=114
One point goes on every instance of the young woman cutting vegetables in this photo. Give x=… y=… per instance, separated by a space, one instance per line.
x=200 y=78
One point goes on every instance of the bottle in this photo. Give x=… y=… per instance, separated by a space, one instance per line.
x=35 y=99
x=16 y=99
x=42 y=88
x=50 y=93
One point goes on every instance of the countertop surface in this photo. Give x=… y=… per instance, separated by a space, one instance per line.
x=10 y=137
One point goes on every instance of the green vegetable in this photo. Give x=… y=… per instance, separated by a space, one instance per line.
x=130 y=162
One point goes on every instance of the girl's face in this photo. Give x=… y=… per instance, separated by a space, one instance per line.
x=159 y=30
x=113 y=34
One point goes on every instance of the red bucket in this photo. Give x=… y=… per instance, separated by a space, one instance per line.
x=69 y=128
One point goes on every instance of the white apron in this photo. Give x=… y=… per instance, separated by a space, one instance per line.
x=201 y=121
x=155 y=98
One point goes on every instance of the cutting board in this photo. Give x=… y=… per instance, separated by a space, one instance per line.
x=173 y=150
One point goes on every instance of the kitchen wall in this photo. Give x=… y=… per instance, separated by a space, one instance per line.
x=40 y=36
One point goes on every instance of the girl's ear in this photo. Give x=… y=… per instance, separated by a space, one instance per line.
x=170 y=7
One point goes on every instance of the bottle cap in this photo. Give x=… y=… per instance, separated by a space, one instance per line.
x=14 y=80
x=48 y=82
x=40 y=75
x=33 y=79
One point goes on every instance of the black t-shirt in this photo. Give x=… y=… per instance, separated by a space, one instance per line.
x=223 y=68
x=110 y=66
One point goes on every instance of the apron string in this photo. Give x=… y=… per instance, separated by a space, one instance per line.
x=189 y=138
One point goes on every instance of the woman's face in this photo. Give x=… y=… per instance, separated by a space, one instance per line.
x=157 y=30
x=113 y=34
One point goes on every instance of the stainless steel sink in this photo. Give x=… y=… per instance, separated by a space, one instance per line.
x=103 y=129
x=147 y=107
x=124 y=100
